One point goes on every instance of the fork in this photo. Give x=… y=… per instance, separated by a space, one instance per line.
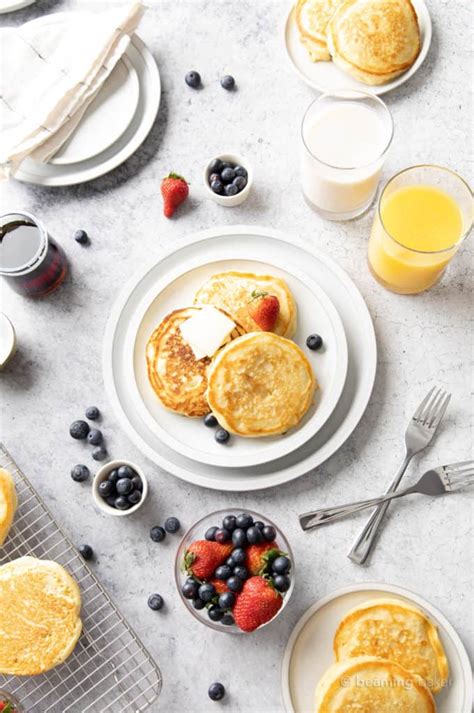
x=420 y=431
x=445 y=479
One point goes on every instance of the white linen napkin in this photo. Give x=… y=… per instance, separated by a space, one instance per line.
x=50 y=74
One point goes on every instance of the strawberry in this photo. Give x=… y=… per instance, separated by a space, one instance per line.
x=203 y=556
x=174 y=190
x=258 y=556
x=264 y=310
x=257 y=603
x=219 y=585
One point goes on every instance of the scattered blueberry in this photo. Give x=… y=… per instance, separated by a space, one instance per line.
x=92 y=413
x=94 y=437
x=121 y=503
x=244 y=520
x=216 y=166
x=226 y=600
x=136 y=482
x=241 y=572
x=314 y=342
x=216 y=691
x=106 y=488
x=99 y=453
x=80 y=473
x=222 y=535
x=239 y=537
x=269 y=533
x=193 y=79
x=113 y=476
x=190 y=589
x=79 y=429
x=281 y=565
x=198 y=604
x=124 y=486
x=235 y=584
x=282 y=582
x=217 y=187
x=126 y=472
x=231 y=189
x=221 y=435
x=228 y=619
x=229 y=523
x=227 y=82
x=228 y=175
x=240 y=182
x=134 y=497
x=224 y=571
x=241 y=171
x=206 y=592
x=81 y=237
x=215 y=613
x=86 y=551
x=239 y=556
x=210 y=534
x=157 y=533
x=155 y=601
x=254 y=535
x=172 y=525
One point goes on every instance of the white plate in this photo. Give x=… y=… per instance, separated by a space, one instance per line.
x=257 y=244
x=105 y=119
x=143 y=62
x=11 y=5
x=309 y=651
x=189 y=436
x=327 y=77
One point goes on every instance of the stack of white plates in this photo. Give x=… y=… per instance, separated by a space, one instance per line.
x=328 y=303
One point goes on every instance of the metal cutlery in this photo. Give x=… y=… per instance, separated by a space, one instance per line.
x=445 y=479
x=420 y=431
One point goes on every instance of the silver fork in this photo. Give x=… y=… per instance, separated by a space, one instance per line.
x=420 y=431
x=437 y=481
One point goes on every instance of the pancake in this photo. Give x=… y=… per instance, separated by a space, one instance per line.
x=371 y=685
x=232 y=291
x=312 y=17
x=39 y=616
x=178 y=379
x=395 y=630
x=8 y=503
x=374 y=40
x=260 y=385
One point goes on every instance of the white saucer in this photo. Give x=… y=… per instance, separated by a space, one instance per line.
x=257 y=244
x=189 y=436
x=309 y=651
x=327 y=77
x=105 y=119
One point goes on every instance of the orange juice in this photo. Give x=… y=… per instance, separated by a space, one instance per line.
x=414 y=236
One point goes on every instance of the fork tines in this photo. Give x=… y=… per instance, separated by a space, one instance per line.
x=460 y=474
x=431 y=410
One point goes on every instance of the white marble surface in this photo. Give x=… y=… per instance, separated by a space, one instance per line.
x=426 y=545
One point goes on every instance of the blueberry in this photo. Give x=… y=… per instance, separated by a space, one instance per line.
x=221 y=435
x=229 y=523
x=230 y=562
x=172 y=525
x=235 y=584
x=228 y=619
x=239 y=182
x=222 y=535
x=80 y=236
x=113 y=476
x=198 y=604
x=92 y=413
x=217 y=187
x=224 y=571
x=214 y=177
x=79 y=429
x=281 y=565
x=282 y=582
x=94 y=437
x=269 y=533
x=216 y=166
x=126 y=472
x=134 y=497
x=206 y=592
x=226 y=600
x=216 y=691
x=244 y=520
x=193 y=79
x=254 y=535
x=241 y=572
x=226 y=164
x=227 y=175
x=231 y=189
x=111 y=500
x=227 y=82
x=121 y=503
x=314 y=342
x=155 y=601
x=259 y=524
x=241 y=171
x=80 y=473
x=106 y=488
x=239 y=537
x=99 y=453
x=137 y=483
x=86 y=551
x=157 y=533
x=124 y=486
x=190 y=589
x=239 y=556
x=215 y=613
x=210 y=533
x=210 y=420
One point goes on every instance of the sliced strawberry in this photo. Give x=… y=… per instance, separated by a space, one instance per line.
x=203 y=556
x=257 y=603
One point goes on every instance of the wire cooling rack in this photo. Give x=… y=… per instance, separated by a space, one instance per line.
x=109 y=670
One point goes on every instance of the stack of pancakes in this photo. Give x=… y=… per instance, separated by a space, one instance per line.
x=258 y=384
x=372 y=40
x=388 y=658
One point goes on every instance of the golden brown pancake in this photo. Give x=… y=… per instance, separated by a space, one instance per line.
x=8 y=503
x=312 y=17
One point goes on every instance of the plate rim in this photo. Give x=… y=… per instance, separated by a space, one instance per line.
x=16 y=5
x=371 y=586
x=288 y=473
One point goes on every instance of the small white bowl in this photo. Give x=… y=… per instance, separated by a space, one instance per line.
x=102 y=474
x=229 y=201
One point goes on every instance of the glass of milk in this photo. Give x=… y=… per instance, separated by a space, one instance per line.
x=345 y=138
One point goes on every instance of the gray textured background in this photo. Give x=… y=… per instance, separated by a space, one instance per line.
x=426 y=544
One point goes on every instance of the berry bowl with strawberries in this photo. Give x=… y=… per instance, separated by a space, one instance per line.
x=228 y=179
x=234 y=571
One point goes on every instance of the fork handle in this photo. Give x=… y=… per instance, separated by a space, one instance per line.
x=364 y=543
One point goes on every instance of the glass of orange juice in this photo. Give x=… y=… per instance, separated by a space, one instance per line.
x=424 y=213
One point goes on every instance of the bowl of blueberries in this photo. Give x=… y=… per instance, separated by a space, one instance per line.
x=119 y=488
x=228 y=179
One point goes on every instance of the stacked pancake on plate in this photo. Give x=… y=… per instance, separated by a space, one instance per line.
x=372 y=40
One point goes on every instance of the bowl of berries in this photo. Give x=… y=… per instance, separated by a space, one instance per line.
x=119 y=488
x=228 y=179
x=234 y=571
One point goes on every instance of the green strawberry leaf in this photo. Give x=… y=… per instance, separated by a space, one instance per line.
x=255 y=295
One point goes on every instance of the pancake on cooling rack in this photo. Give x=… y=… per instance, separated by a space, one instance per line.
x=374 y=40
x=176 y=374
x=8 y=503
x=312 y=17
x=372 y=685
x=392 y=629
x=260 y=385
x=232 y=292
x=39 y=616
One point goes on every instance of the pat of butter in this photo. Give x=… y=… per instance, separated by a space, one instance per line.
x=206 y=331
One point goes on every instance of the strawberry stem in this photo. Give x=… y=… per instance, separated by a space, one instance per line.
x=255 y=295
